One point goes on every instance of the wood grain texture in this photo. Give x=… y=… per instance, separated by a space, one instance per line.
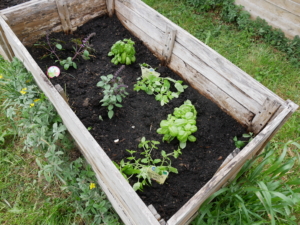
x=226 y=76
x=264 y=115
x=64 y=15
x=282 y=14
x=40 y=16
x=110 y=4
x=170 y=36
x=250 y=150
x=124 y=199
x=5 y=46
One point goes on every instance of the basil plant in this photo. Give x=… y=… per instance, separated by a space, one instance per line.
x=181 y=125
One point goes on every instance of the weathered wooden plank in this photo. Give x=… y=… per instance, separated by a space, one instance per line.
x=152 y=45
x=195 y=79
x=229 y=158
x=264 y=115
x=64 y=15
x=123 y=198
x=154 y=212
x=61 y=91
x=180 y=51
x=230 y=72
x=184 y=213
x=284 y=15
x=211 y=91
x=40 y=16
x=110 y=7
x=169 y=44
x=36 y=15
x=288 y=5
x=5 y=47
x=83 y=11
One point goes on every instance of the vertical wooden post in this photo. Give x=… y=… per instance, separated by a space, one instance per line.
x=110 y=5
x=64 y=16
x=169 y=44
x=264 y=115
x=4 y=44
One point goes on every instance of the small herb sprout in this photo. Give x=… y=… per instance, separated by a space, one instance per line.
x=123 y=52
x=113 y=91
x=82 y=48
x=138 y=168
x=160 y=87
x=240 y=144
x=181 y=125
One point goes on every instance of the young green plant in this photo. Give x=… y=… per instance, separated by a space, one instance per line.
x=81 y=48
x=160 y=87
x=113 y=91
x=181 y=125
x=138 y=168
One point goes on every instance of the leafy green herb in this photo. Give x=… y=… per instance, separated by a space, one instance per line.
x=160 y=87
x=181 y=125
x=113 y=91
x=138 y=168
x=123 y=52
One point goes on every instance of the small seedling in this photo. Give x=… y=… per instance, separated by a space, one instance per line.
x=138 y=168
x=240 y=144
x=160 y=87
x=113 y=91
x=82 y=48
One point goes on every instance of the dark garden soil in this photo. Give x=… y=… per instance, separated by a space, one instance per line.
x=9 y=3
x=141 y=114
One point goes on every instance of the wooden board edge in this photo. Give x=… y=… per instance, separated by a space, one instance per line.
x=185 y=212
x=127 y=202
x=184 y=37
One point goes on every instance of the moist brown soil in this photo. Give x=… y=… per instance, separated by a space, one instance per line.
x=9 y=3
x=141 y=114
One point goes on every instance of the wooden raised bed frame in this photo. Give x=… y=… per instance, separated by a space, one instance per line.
x=235 y=92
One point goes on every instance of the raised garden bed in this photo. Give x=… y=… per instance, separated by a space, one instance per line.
x=141 y=114
x=236 y=93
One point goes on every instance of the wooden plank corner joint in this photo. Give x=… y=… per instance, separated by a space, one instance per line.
x=64 y=15
x=264 y=115
x=110 y=4
x=169 y=44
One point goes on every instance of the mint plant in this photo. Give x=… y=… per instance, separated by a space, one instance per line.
x=138 y=168
x=81 y=48
x=123 y=52
x=113 y=91
x=160 y=87
x=181 y=125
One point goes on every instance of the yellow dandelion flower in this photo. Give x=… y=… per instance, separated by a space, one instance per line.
x=36 y=100
x=31 y=105
x=1 y=76
x=92 y=185
x=23 y=91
